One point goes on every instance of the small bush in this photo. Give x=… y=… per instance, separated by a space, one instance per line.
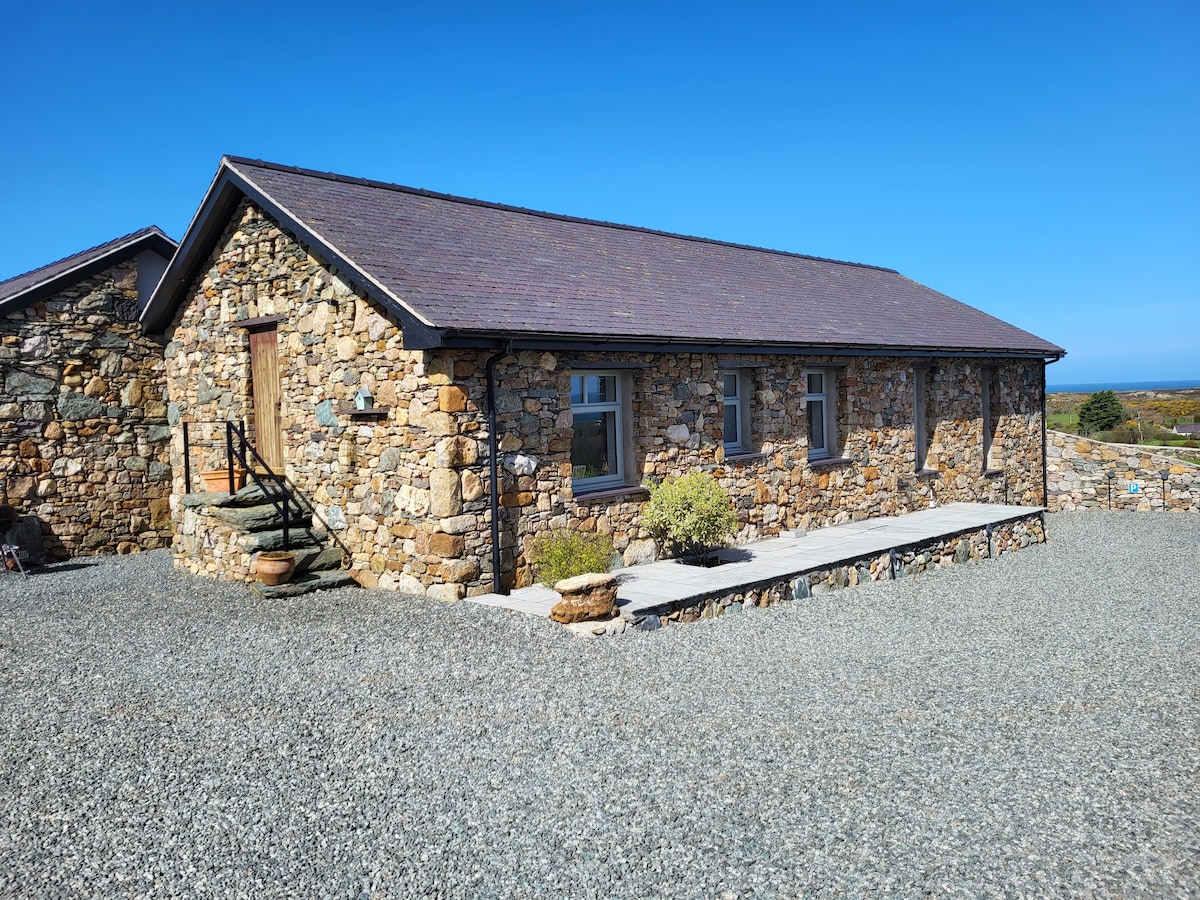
x=693 y=513
x=1123 y=435
x=563 y=554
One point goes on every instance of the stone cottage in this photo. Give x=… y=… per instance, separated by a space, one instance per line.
x=83 y=431
x=529 y=371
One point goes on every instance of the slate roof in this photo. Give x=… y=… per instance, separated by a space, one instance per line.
x=455 y=269
x=21 y=290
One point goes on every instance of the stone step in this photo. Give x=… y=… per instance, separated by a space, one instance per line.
x=305 y=584
x=273 y=540
x=254 y=495
x=197 y=499
x=257 y=518
x=314 y=559
x=250 y=495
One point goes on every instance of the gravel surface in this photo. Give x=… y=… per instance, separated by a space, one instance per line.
x=1021 y=727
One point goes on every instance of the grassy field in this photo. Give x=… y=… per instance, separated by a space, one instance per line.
x=1062 y=421
x=1149 y=416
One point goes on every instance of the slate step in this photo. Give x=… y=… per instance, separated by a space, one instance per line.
x=273 y=540
x=250 y=495
x=305 y=584
x=258 y=518
x=314 y=559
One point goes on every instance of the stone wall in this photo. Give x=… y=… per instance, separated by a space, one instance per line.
x=406 y=490
x=909 y=562
x=83 y=436
x=1078 y=468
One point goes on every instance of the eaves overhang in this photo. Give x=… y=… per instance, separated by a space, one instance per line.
x=148 y=240
x=481 y=340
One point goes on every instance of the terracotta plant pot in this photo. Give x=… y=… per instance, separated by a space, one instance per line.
x=217 y=480
x=276 y=566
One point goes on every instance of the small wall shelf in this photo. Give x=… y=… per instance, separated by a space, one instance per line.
x=375 y=412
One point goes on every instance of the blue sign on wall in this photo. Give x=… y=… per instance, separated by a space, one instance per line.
x=1134 y=487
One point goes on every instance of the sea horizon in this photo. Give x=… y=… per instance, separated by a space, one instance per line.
x=1091 y=387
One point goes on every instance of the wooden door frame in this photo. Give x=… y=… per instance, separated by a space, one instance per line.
x=265 y=389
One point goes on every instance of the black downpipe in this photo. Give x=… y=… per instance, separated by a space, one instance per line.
x=1045 y=465
x=494 y=461
x=187 y=460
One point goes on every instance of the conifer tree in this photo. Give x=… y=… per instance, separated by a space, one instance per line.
x=1100 y=412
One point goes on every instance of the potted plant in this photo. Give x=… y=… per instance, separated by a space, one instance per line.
x=693 y=514
x=276 y=566
x=217 y=480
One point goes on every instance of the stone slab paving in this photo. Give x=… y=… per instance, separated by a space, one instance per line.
x=669 y=581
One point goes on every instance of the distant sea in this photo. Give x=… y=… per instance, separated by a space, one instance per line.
x=1094 y=386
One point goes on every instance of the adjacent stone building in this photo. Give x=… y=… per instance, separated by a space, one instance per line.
x=584 y=360
x=83 y=432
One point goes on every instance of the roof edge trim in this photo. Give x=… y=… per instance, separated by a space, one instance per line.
x=227 y=188
x=626 y=344
x=129 y=246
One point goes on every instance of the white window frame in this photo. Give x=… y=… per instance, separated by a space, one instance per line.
x=828 y=399
x=741 y=403
x=617 y=450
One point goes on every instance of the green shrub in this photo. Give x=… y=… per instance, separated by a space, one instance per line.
x=563 y=554
x=693 y=513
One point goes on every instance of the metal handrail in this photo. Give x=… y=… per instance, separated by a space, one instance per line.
x=239 y=452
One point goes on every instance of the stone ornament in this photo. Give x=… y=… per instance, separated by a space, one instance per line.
x=585 y=598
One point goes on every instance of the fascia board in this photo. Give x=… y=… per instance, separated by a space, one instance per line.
x=155 y=241
x=417 y=329
x=210 y=221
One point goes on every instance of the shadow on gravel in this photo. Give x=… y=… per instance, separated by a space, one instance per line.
x=54 y=568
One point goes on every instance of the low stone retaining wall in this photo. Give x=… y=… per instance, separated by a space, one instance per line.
x=1077 y=470
x=906 y=561
x=204 y=545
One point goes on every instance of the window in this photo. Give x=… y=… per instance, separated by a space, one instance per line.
x=920 y=419
x=991 y=446
x=819 y=403
x=596 y=446
x=737 y=392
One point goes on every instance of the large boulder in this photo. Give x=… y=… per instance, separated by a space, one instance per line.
x=585 y=598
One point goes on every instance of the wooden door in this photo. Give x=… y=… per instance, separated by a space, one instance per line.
x=264 y=380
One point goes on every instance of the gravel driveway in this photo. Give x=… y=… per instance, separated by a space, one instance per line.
x=1023 y=727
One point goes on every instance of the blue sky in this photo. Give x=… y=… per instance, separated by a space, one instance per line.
x=1040 y=161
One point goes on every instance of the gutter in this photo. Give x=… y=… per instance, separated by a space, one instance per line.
x=494 y=463
x=459 y=339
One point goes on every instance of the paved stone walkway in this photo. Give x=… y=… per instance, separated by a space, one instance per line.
x=654 y=584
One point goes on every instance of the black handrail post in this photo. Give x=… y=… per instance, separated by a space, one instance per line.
x=229 y=452
x=244 y=452
x=286 y=512
x=187 y=460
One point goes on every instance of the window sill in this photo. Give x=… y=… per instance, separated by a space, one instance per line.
x=829 y=461
x=929 y=473
x=625 y=492
x=992 y=473
x=741 y=458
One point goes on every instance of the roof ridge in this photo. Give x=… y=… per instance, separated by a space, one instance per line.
x=437 y=195
x=123 y=239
